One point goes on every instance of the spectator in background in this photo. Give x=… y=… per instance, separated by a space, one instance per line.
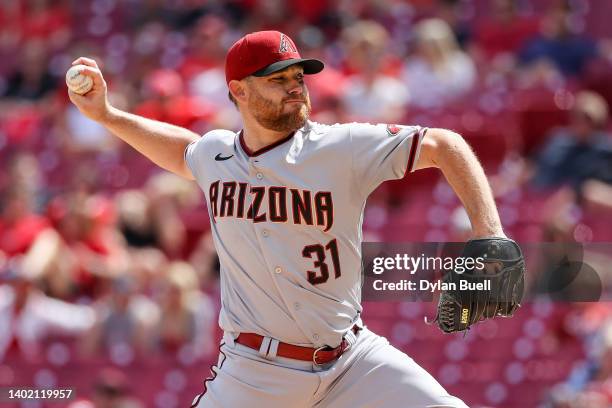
x=19 y=223
x=456 y=14
x=576 y=164
x=559 y=43
x=579 y=152
x=27 y=316
x=47 y=20
x=165 y=100
x=151 y=217
x=573 y=155
x=134 y=213
x=207 y=47
x=370 y=91
x=22 y=192
x=30 y=237
x=439 y=72
x=24 y=173
x=54 y=265
x=86 y=234
x=170 y=195
x=502 y=33
x=204 y=74
x=31 y=79
x=187 y=315
x=124 y=323
x=328 y=92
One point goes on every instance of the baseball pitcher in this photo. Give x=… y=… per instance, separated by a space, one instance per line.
x=286 y=198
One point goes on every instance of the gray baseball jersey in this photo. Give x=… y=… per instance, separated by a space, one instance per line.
x=287 y=219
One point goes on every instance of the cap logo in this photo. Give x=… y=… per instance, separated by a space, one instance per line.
x=286 y=45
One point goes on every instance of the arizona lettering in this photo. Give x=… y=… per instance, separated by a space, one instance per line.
x=271 y=203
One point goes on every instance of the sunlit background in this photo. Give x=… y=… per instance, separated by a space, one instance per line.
x=108 y=276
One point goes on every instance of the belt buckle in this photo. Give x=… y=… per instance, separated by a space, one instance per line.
x=314 y=356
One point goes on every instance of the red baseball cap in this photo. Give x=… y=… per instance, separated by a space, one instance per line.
x=264 y=52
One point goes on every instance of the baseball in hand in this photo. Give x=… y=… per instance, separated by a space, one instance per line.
x=77 y=82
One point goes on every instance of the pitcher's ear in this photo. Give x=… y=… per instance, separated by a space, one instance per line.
x=237 y=89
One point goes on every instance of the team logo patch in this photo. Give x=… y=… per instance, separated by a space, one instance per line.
x=286 y=45
x=393 y=130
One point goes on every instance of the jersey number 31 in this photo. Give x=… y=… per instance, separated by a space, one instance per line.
x=317 y=252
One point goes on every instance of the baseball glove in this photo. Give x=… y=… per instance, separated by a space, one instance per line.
x=504 y=268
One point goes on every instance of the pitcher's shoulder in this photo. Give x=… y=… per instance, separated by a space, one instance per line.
x=320 y=128
x=219 y=136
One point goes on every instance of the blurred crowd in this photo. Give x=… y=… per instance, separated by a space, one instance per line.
x=98 y=245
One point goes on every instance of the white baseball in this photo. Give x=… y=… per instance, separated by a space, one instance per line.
x=77 y=82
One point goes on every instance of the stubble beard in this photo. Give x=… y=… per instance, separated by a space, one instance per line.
x=270 y=115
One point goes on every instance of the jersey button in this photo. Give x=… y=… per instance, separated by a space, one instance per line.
x=259 y=176
x=278 y=269
x=297 y=306
x=265 y=233
x=315 y=336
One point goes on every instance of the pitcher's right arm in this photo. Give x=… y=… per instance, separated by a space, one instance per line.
x=164 y=144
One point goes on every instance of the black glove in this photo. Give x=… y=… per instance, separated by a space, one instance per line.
x=504 y=267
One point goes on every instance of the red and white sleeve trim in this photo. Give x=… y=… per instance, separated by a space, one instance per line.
x=415 y=149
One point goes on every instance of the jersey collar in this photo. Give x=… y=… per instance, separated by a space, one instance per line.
x=264 y=149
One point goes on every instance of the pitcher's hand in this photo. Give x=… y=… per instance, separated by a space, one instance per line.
x=94 y=104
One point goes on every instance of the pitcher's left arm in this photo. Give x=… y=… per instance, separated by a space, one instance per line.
x=449 y=152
